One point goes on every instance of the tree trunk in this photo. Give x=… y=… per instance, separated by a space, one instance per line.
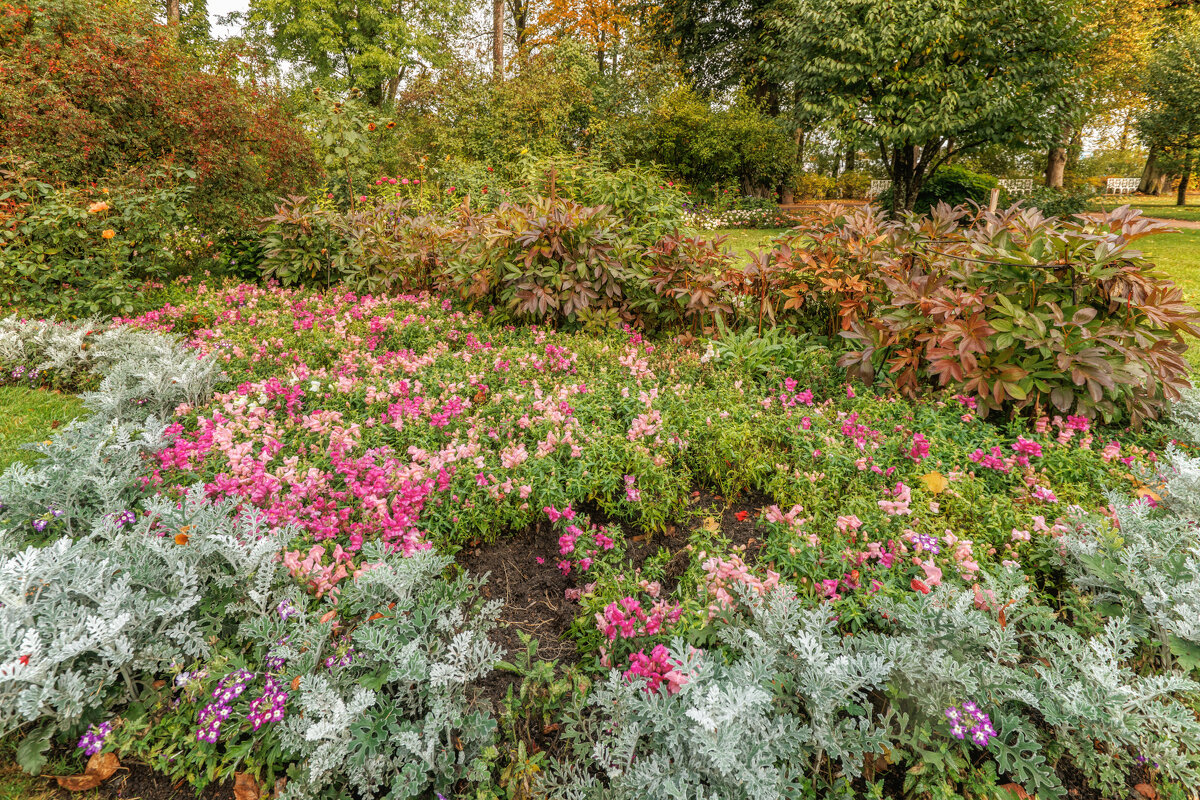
x=1151 y=175
x=800 y=137
x=1181 y=198
x=905 y=181
x=1056 y=164
x=851 y=157
x=520 y=14
x=498 y=39
x=173 y=12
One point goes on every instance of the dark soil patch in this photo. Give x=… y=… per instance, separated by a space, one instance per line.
x=136 y=781
x=534 y=598
x=139 y=781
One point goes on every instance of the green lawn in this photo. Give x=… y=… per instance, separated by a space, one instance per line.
x=1162 y=207
x=739 y=240
x=28 y=415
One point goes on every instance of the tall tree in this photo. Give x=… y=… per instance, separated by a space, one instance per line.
x=1171 y=123
x=928 y=79
x=370 y=45
x=498 y=38
x=1119 y=35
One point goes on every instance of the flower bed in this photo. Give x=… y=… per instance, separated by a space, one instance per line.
x=920 y=586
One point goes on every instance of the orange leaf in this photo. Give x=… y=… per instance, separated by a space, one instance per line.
x=245 y=787
x=100 y=768
x=1146 y=790
x=1017 y=790
x=328 y=615
x=1150 y=493
x=181 y=538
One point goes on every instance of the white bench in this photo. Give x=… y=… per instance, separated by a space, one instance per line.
x=1122 y=185
x=1017 y=186
x=878 y=187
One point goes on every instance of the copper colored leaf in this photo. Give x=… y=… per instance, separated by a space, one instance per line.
x=1146 y=790
x=935 y=482
x=245 y=787
x=100 y=768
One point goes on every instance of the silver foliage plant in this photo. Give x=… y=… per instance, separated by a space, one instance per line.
x=1144 y=558
x=87 y=623
x=1034 y=674
x=732 y=731
x=92 y=466
x=796 y=694
x=74 y=350
x=394 y=715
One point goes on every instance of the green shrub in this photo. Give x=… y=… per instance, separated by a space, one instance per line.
x=953 y=185
x=648 y=204
x=374 y=246
x=83 y=253
x=811 y=186
x=548 y=260
x=853 y=185
x=1060 y=202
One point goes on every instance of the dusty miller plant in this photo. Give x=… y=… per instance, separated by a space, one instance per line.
x=92 y=466
x=768 y=724
x=88 y=623
x=1020 y=665
x=396 y=714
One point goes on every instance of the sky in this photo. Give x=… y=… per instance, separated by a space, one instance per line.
x=219 y=8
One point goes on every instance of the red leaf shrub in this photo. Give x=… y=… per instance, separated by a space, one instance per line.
x=1025 y=313
x=93 y=91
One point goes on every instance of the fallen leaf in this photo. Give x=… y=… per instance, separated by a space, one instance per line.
x=100 y=768
x=935 y=482
x=1017 y=790
x=181 y=538
x=245 y=787
x=328 y=615
x=295 y=683
x=1148 y=492
x=1146 y=790
x=741 y=515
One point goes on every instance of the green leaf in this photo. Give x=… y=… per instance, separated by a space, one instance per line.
x=31 y=753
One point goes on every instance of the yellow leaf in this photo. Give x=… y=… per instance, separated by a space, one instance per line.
x=935 y=482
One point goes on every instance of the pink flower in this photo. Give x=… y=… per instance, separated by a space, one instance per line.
x=632 y=494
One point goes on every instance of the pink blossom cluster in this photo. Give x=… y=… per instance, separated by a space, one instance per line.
x=722 y=575
x=658 y=670
x=627 y=618
x=900 y=504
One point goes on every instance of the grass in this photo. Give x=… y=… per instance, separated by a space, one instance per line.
x=16 y=785
x=1162 y=207
x=28 y=415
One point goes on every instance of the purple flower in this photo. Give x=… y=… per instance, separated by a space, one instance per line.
x=92 y=742
x=39 y=525
x=286 y=609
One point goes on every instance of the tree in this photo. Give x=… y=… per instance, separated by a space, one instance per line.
x=1171 y=122
x=929 y=79
x=369 y=45
x=498 y=38
x=1118 y=37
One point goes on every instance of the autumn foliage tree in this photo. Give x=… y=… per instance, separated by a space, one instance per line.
x=95 y=91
